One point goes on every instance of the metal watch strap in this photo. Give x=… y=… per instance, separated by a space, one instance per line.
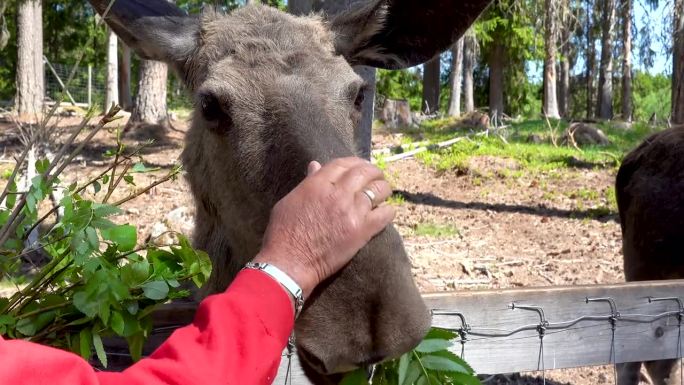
x=284 y=280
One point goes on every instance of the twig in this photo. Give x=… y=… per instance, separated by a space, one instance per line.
x=138 y=193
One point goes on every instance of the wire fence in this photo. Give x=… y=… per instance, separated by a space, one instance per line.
x=87 y=87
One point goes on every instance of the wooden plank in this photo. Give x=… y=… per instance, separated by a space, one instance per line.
x=586 y=343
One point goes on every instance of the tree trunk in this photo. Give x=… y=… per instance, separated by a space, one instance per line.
x=4 y=32
x=455 y=81
x=564 y=86
x=627 y=60
x=125 y=97
x=363 y=132
x=469 y=60
x=678 y=64
x=590 y=60
x=550 y=106
x=112 y=87
x=605 y=97
x=566 y=54
x=496 y=81
x=30 y=77
x=150 y=103
x=431 y=71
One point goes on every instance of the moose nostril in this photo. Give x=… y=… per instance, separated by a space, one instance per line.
x=312 y=360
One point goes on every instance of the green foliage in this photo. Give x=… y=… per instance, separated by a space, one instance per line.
x=99 y=280
x=652 y=95
x=401 y=84
x=514 y=25
x=430 y=363
x=543 y=157
x=435 y=230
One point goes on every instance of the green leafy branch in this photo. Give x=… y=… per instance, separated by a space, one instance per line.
x=430 y=363
x=98 y=281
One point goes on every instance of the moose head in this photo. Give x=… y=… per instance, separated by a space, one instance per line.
x=273 y=92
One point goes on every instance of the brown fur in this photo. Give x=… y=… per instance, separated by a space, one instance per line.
x=650 y=196
x=273 y=92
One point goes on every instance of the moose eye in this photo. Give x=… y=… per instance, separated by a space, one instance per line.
x=211 y=108
x=360 y=98
x=219 y=121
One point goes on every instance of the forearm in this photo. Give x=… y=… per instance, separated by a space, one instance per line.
x=236 y=338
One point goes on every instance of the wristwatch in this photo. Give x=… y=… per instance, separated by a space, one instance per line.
x=285 y=281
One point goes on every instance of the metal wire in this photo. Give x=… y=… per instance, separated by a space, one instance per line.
x=543 y=328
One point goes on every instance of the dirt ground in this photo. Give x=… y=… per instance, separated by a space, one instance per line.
x=491 y=231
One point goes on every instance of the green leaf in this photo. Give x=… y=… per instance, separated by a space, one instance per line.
x=442 y=364
x=357 y=377
x=129 y=179
x=27 y=327
x=464 y=379
x=135 y=345
x=412 y=373
x=87 y=302
x=42 y=165
x=453 y=357
x=7 y=319
x=84 y=347
x=125 y=236
x=156 y=290
x=403 y=367
x=104 y=210
x=441 y=334
x=140 y=168
x=135 y=274
x=96 y=188
x=105 y=179
x=433 y=345
x=30 y=203
x=117 y=323
x=99 y=348
x=93 y=240
x=132 y=307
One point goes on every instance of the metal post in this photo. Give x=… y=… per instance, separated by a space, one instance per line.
x=90 y=86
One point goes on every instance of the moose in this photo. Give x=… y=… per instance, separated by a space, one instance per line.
x=650 y=196
x=272 y=92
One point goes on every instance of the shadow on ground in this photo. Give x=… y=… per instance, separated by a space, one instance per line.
x=543 y=211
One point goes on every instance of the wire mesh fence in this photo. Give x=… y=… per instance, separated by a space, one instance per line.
x=86 y=88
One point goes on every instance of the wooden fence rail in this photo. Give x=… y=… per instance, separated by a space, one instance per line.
x=504 y=339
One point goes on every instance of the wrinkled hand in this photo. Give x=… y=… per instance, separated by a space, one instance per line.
x=319 y=227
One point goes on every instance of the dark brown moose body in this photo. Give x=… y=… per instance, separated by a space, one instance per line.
x=650 y=197
x=272 y=92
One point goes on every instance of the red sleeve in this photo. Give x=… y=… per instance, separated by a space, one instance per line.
x=236 y=338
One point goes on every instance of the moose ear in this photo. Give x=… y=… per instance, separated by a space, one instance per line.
x=396 y=34
x=154 y=29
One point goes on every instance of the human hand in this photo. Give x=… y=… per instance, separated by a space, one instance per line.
x=318 y=228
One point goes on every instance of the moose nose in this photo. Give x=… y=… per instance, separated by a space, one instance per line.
x=339 y=367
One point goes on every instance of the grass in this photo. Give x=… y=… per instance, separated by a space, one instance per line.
x=396 y=200
x=435 y=230
x=542 y=157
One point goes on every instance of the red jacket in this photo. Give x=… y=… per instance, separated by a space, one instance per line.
x=236 y=338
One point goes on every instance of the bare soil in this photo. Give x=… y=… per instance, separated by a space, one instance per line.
x=501 y=232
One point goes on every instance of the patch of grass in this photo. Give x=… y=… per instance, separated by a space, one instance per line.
x=542 y=157
x=396 y=200
x=611 y=198
x=5 y=174
x=435 y=230
x=585 y=194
